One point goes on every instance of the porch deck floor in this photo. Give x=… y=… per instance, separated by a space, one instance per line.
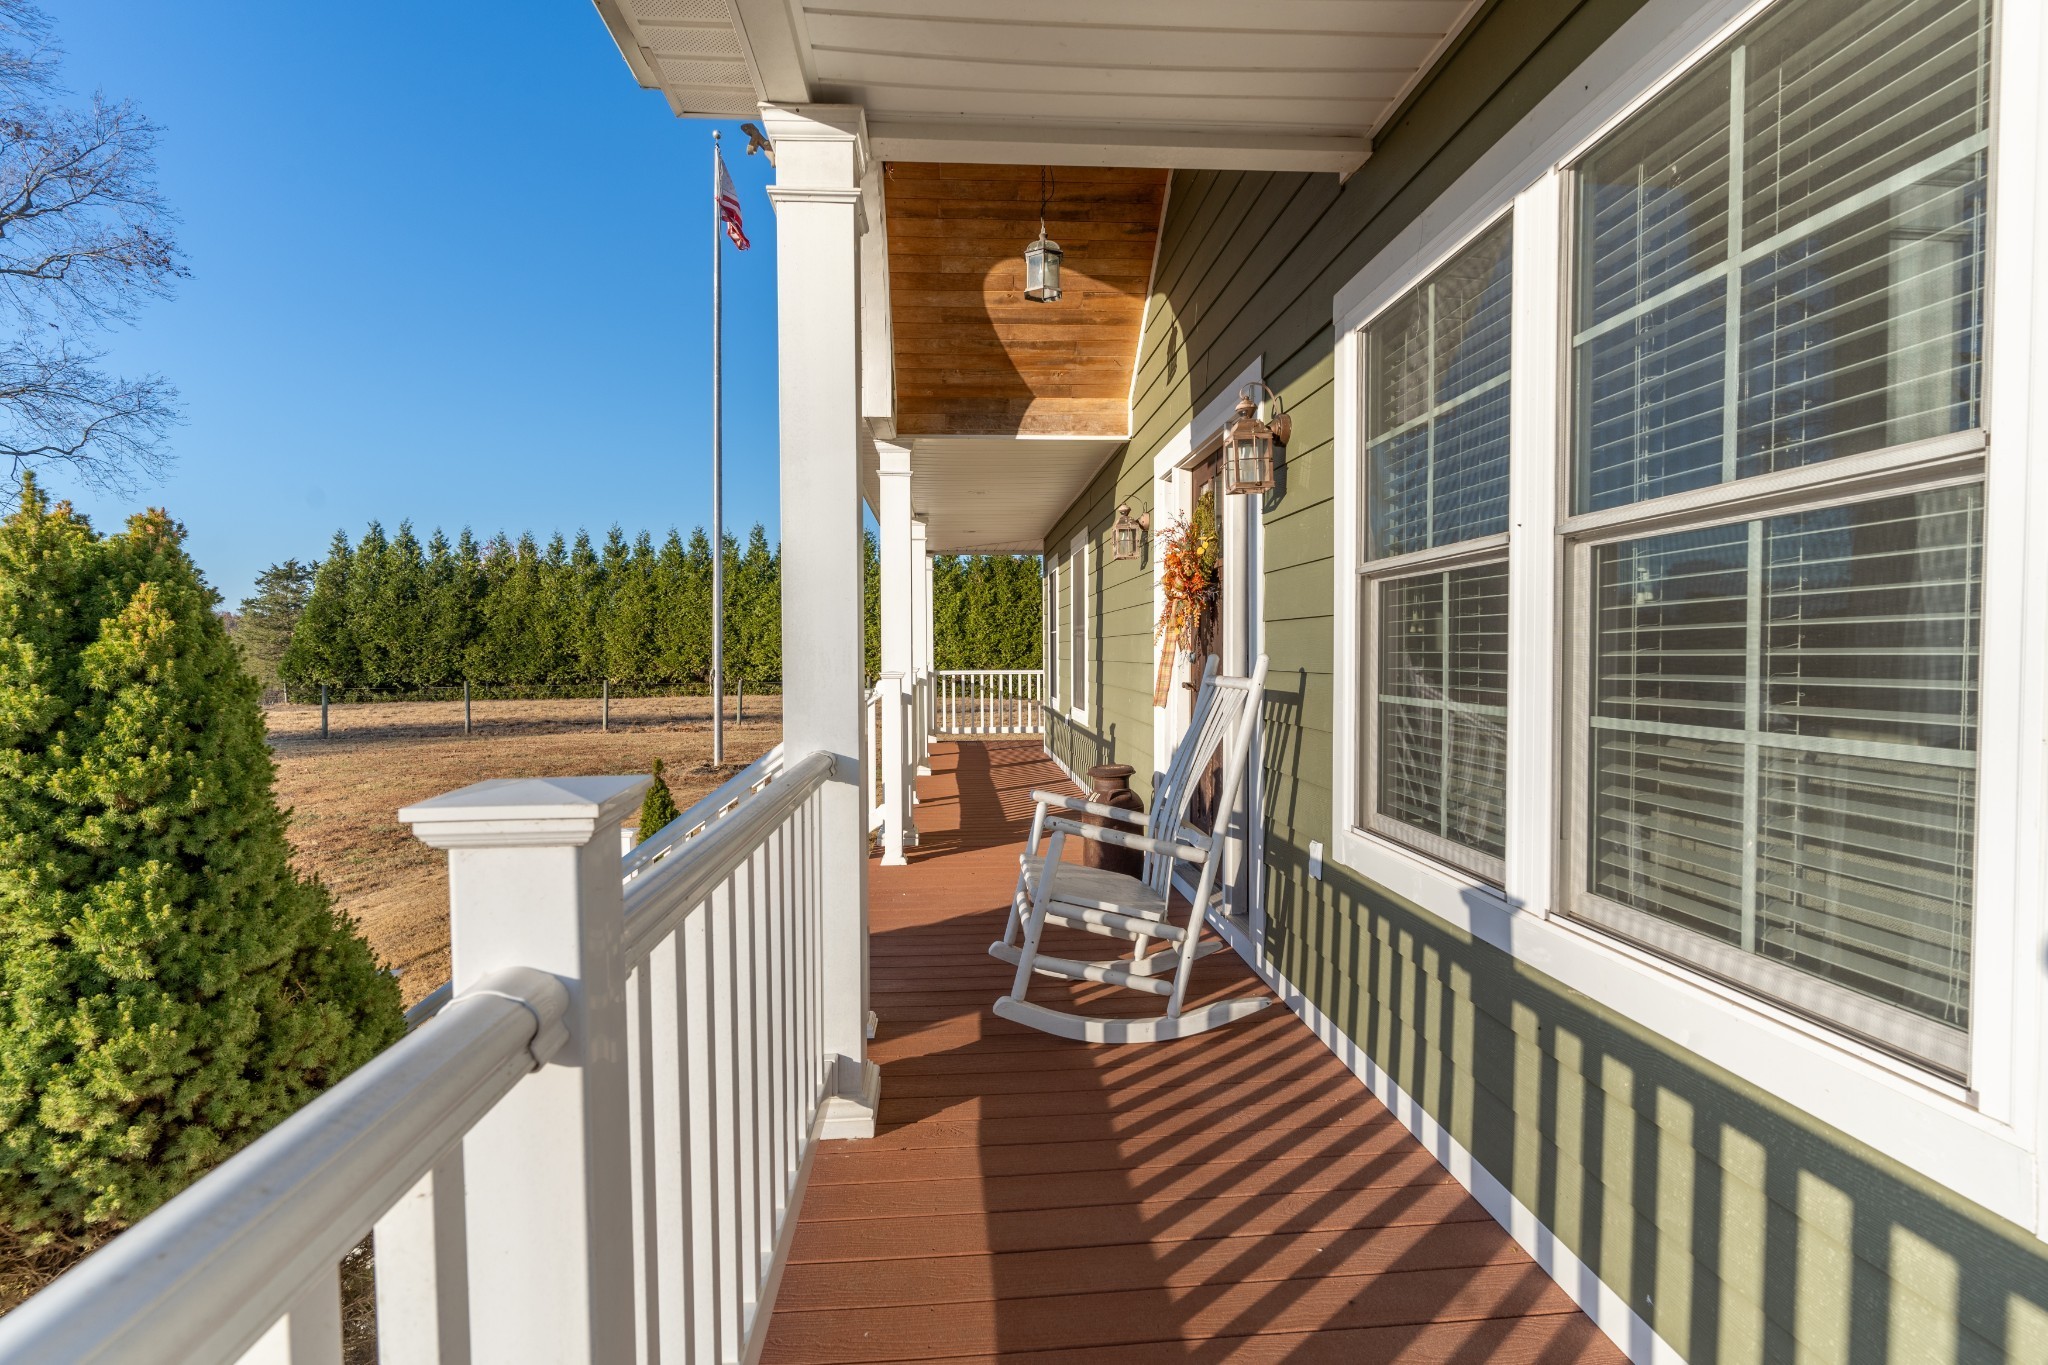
x=1238 y=1196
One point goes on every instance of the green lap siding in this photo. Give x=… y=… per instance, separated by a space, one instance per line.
x=1737 y=1226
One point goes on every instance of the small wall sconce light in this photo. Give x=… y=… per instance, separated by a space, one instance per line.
x=1249 y=444
x=1042 y=258
x=1127 y=536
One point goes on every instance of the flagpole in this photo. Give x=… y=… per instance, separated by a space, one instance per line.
x=717 y=491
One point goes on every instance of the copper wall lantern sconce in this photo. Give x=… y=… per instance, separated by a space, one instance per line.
x=1127 y=536
x=1249 y=444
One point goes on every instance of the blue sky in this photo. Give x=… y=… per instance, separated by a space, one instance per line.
x=449 y=263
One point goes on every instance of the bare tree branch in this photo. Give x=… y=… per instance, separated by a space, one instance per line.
x=85 y=240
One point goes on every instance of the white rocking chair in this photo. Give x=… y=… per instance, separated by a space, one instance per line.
x=1116 y=905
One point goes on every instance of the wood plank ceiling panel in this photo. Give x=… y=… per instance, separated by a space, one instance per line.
x=973 y=357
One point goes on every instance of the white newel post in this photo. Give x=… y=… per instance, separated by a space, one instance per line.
x=533 y=868
x=820 y=163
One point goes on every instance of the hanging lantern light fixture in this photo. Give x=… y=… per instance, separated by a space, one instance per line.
x=1042 y=258
x=1249 y=444
x=1127 y=536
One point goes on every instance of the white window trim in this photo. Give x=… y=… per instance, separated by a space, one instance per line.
x=1083 y=653
x=1984 y=1143
x=1055 y=656
x=1364 y=818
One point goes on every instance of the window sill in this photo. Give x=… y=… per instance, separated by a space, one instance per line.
x=1918 y=1119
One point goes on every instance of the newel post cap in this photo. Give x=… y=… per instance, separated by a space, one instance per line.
x=524 y=812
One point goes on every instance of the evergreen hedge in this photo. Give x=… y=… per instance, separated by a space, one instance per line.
x=388 y=612
x=169 y=987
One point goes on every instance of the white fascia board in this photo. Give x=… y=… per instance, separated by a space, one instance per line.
x=773 y=50
x=628 y=43
x=1029 y=144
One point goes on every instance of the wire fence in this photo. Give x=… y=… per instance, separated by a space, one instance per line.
x=339 y=706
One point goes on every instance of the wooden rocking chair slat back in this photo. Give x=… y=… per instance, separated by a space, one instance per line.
x=1213 y=719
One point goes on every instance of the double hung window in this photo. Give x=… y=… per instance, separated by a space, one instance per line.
x=1053 y=685
x=1777 y=269
x=1434 y=575
x=1079 y=618
x=1766 y=465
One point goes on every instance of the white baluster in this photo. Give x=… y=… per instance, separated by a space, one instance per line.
x=310 y=1331
x=423 y=1272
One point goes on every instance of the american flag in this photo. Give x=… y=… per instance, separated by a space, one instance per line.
x=729 y=205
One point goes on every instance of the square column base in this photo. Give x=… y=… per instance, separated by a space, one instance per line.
x=853 y=1116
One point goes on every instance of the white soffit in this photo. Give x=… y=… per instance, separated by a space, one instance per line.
x=998 y=494
x=1195 y=84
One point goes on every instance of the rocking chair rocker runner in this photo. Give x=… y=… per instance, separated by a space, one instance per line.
x=1115 y=905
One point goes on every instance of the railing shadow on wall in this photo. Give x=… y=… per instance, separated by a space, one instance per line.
x=1724 y=1218
x=1280 y=742
x=1077 y=748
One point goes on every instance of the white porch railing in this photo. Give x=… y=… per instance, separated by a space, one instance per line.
x=988 y=701
x=595 y=1156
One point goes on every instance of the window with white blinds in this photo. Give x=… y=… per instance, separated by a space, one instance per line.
x=1443 y=704
x=1779 y=263
x=1434 y=576
x=1780 y=260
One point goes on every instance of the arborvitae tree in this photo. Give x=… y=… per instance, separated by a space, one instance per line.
x=389 y=614
x=657 y=808
x=323 y=647
x=398 y=610
x=632 y=615
x=169 y=988
x=753 y=633
x=263 y=626
x=871 y=603
x=585 y=594
x=365 y=584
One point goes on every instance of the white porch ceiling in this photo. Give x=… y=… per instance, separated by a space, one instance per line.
x=1216 y=84
x=993 y=494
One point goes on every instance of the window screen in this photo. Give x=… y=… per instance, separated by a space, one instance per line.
x=1437 y=406
x=1784 y=741
x=1780 y=260
x=1435 y=709
x=1443 y=656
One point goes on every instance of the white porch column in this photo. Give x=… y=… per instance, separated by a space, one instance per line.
x=921 y=636
x=533 y=871
x=820 y=161
x=902 y=731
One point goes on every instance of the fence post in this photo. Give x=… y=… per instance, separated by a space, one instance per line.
x=533 y=869
x=465 y=706
x=323 y=710
x=604 y=715
x=740 y=710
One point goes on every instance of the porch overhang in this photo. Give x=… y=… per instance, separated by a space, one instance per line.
x=1294 y=85
x=985 y=495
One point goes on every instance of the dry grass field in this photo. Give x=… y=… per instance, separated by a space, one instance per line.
x=345 y=791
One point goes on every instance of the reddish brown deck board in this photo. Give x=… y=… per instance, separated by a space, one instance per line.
x=1237 y=1196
